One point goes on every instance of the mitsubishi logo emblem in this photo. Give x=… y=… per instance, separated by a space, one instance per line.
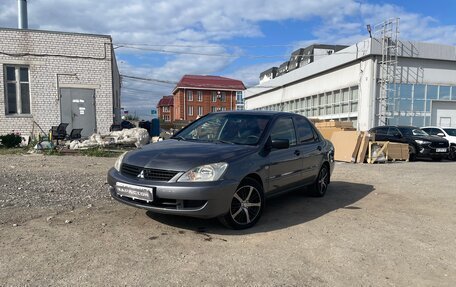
x=141 y=174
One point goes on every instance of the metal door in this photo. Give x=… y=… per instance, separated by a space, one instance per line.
x=77 y=108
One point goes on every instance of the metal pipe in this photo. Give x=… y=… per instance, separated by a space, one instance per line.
x=22 y=20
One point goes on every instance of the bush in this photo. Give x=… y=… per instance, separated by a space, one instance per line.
x=10 y=140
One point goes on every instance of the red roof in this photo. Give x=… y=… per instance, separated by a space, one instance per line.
x=209 y=82
x=166 y=101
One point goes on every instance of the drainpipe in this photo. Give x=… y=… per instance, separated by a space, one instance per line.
x=185 y=111
x=374 y=92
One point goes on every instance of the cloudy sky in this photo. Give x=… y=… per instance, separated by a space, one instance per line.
x=164 y=40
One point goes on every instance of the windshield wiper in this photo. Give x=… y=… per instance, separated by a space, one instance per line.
x=222 y=141
x=179 y=138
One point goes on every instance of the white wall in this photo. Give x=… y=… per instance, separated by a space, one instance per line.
x=338 y=79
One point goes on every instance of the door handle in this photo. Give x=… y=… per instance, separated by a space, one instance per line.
x=297 y=152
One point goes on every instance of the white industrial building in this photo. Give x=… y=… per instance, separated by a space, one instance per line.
x=369 y=83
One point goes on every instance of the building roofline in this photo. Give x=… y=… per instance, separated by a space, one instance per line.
x=206 y=89
x=57 y=32
x=368 y=48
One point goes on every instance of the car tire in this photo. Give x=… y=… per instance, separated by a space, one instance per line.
x=246 y=206
x=319 y=187
x=452 y=154
x=412 y=153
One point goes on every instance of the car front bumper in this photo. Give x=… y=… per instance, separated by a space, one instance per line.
x=203 y=200
x=426 y=151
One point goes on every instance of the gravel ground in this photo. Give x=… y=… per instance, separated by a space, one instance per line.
x=379 y=225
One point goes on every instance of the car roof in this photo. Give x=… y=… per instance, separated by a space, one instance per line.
x=412 y=127
x=250 y=112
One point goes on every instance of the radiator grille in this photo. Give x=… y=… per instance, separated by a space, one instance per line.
x=147 y=173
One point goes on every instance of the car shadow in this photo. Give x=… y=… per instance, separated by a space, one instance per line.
x=281 y=212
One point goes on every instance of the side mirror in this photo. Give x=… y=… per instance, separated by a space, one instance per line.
x=442 y=135
x=280 y=144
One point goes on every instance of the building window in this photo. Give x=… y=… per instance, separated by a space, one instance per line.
x=166 y=109
x=200 y=110
x=223 y=109
x=200 y=96
x=189 y=96
x=167 y=118
x=190 y=110
x=214 y=97
x=223 y=97
x=213 y=109
x=239 y=97
x=17 y=96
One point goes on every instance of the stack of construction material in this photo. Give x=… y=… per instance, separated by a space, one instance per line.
x=328 y=128
x=358 y=147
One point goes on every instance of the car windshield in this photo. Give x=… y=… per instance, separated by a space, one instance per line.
x=412 y=131
x=231 y=128
x=450 y=132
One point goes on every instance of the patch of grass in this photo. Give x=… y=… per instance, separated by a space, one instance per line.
x=98 y=152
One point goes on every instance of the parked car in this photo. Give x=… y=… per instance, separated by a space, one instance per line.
x=447 y=133
x=421 y=145
x=225 y=165
x=127 y=124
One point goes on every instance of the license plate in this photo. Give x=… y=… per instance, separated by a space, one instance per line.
x=441 y=150
x=135 y=191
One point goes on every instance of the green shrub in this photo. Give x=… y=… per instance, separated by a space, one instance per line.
x=10 y=140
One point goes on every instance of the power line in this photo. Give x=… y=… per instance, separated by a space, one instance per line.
x=137 y=90
x=148 y=79
x=204 y=46
x=223 y=55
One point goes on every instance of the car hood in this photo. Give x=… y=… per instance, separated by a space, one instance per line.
x=182 y=155
x=430 y=139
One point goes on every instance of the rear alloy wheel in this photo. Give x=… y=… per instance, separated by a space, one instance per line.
x=246 y=206
x=319 y=187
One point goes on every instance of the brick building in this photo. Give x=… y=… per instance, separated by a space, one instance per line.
x=165 y=108
x=51 y=77
x=195 y=96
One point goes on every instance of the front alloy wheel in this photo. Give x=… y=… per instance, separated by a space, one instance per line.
x=246 y=206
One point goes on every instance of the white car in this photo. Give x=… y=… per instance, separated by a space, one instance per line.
x=447 y=133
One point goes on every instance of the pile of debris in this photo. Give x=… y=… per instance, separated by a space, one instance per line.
x=126 y=137
x=359 y=147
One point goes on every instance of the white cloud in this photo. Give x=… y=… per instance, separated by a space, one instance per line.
x=208 y=27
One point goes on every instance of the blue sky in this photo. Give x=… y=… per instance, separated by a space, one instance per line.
x=165 y=39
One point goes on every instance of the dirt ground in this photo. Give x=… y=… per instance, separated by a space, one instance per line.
x=379 y=225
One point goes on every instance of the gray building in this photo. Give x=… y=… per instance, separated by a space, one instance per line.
x=47 y=78
x=360 y=84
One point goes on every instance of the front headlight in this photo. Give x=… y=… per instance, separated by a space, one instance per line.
x=422 y=142
x=119 y=161
x=208 y=172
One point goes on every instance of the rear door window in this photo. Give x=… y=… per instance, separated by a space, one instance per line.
x=381 y=130
x=306 y=133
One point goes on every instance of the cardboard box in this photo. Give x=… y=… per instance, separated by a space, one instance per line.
x=346 y=145
x=364 y=145
x=327 y=132
x=397 y=151
x=334 y=124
